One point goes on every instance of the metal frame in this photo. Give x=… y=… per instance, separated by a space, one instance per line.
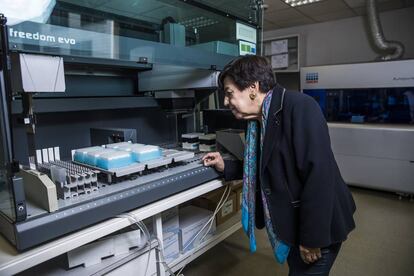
x=18 y=200
x=6 y=86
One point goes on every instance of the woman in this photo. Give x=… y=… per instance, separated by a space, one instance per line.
x=291 y=182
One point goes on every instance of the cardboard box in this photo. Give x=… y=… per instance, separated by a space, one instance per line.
x=236 y=184
x=192 y=220
x=238 y=190
x=209 y=201
x=239 y=196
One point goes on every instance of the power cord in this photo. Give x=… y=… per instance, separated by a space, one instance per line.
x=144 y=230
x=159 y=247
x=209 y=223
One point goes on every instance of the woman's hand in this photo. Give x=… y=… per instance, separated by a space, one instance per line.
x=309 y=255
x=214 y=159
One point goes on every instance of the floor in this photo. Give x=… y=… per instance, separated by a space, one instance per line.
x=381 y=245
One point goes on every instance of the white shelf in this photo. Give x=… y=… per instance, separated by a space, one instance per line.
x=55 y=268
x=137 y=257
x=12 y=262
x=223 y=231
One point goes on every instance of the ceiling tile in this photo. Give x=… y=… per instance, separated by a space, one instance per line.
x=295 y=22
x=383 y=6
x=362 y=3
x=355 y=3
x=282 y=15
x=276 y=5
x=335 y=15
x=360 y=11
x=269 y=26
x=390 y=5
x=409 y=3
x=327 y=10
x=323 y=7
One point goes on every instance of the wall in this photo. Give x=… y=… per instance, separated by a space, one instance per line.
x=347 y=40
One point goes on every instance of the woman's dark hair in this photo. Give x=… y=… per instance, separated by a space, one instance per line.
x=246 y=70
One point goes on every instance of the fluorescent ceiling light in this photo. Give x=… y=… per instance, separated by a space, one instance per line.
x=295 y=3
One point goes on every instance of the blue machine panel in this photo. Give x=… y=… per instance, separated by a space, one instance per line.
x=375 y=105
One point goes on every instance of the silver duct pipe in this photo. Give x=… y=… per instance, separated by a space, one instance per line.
x=378 y=35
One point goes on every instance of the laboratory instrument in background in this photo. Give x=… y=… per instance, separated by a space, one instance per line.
x=370 y=120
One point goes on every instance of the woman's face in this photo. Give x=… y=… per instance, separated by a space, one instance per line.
x=239 y=101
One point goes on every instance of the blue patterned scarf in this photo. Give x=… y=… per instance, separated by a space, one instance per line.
x=280 y=249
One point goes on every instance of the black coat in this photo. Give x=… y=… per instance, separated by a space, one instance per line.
x=309 y=202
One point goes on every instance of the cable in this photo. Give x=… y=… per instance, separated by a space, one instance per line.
x=219 y=207
x=163 y=258
x=146 y=233
x=141 y=225
x=210 y=222
x=159 y=246
x=160 y=249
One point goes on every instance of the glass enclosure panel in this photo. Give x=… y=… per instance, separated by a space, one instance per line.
x=379 y=105
x=126 y=30
x=6 y=195
x=245 y=9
